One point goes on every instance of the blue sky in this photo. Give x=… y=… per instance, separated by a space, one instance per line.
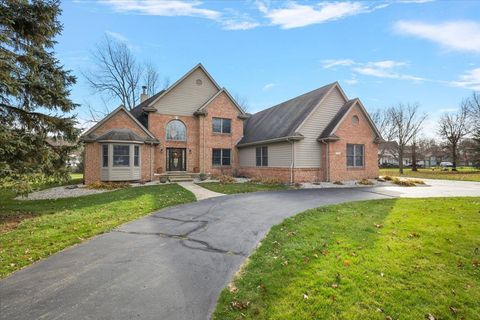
x=384 y=52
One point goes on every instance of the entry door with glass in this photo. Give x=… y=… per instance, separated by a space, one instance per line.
x=176 y=159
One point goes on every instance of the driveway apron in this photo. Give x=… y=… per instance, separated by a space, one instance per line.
x=169 y=265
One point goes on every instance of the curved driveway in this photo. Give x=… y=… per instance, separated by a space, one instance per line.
x=174 y=263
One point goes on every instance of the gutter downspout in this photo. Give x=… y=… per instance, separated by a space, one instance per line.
x=292 y=162
x=327 y=161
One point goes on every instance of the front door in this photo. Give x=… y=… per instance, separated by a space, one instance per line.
x=176 y=159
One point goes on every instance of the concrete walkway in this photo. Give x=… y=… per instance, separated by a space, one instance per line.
x=173 y=263
x=199 y=192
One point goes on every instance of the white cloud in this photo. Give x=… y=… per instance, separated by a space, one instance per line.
x=117 y=36
x=329 y=63
x=414 y=1
x=351 y=81
x=168 y=8
x=379 y=69
x=294 y=15
x=455 y=35
x=239 y=25
x=443 y=110
x=269 y=86
x=469 y=80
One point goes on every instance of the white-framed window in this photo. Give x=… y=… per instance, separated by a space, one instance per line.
x=176 y=131
x=104 y=155
x=121 y=155
x=261 y=156
x=355 y=155
x=136 y=156
x=221 y=125
x=221 y=157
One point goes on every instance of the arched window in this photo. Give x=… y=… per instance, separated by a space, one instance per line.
x=176 y=130
x=355 y=119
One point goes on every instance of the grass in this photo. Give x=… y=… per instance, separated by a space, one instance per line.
x=382 y=259
x=32 y=230
x=231 y=188
x=463 y=174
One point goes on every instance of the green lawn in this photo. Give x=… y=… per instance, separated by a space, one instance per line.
x=465 y=174
x=383 y=259
x=231 y=188
x=31 y=230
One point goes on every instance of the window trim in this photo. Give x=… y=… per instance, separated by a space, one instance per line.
x=222 y=120
x=123 y=155
x=105 y=156
x=175 y=121
x=136 y=156
x=261 y=156
x=222 y=157
x=355 y=156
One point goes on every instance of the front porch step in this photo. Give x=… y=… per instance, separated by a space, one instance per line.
x=178 y=176
x=180 y=179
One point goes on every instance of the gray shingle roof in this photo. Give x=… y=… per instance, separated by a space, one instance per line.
x=283 y=119
x=328 y=131
x=138 y=113
x=120 y=135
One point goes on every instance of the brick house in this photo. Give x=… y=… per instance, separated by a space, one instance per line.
x=195 y=126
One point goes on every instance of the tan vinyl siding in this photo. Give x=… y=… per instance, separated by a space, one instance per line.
x=307 y=151
x=185 y=98
x=279 y=155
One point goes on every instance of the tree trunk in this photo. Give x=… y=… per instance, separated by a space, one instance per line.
x=454 y=156
x=414 y=157
x=400 y=159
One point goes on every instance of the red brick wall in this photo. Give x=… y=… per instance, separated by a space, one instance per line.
x=360 y=133
x=220 y=107
x=91 y=160
x=283 y=174
x=157 y=124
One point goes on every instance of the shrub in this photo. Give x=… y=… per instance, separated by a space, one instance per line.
x=202 y=176
x=163 y=179
x=403 y=183
x=380 y=179
x=340 y=183
x=387 y=178
x=417 y=181
x=108 y=185
x=365 y=182
x=266 y=180
x=224 y=179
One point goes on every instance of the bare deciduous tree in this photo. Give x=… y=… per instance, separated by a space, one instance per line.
x=406 y=124
x=453 y=127
x=381 y=118
x=241 y=101
x=118 y=74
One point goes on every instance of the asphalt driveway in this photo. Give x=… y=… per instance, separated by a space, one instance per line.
x=174 y=263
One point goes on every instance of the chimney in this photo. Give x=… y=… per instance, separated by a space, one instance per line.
x=144 y=95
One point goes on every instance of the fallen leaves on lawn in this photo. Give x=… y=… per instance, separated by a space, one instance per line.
x=453 y=310
x=240 y=305
x=378 y=225
x=346 y=263
x=429 y=317
x=334 y=286
x=232 y=288
x=305 y=296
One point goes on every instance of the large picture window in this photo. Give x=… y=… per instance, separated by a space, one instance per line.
x=221 y=125
x=121 y=155
x=355 y=155
x=176 y=131
x=221 y=157
x=261 y=154
x=105 y=155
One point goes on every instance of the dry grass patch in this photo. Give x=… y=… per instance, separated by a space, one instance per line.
x=365 y=182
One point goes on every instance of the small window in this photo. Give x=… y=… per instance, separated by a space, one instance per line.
x=221 y=157
x=355 y=119
x=355 y=155
x=176 y=131
x=121 y=155
x=105 y=155
x=136 y=156
x=261 y=155
x=220 y=125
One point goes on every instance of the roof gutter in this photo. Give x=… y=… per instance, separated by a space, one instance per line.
x=289 y=138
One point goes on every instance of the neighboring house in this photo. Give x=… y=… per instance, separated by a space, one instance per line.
x=196 y=126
